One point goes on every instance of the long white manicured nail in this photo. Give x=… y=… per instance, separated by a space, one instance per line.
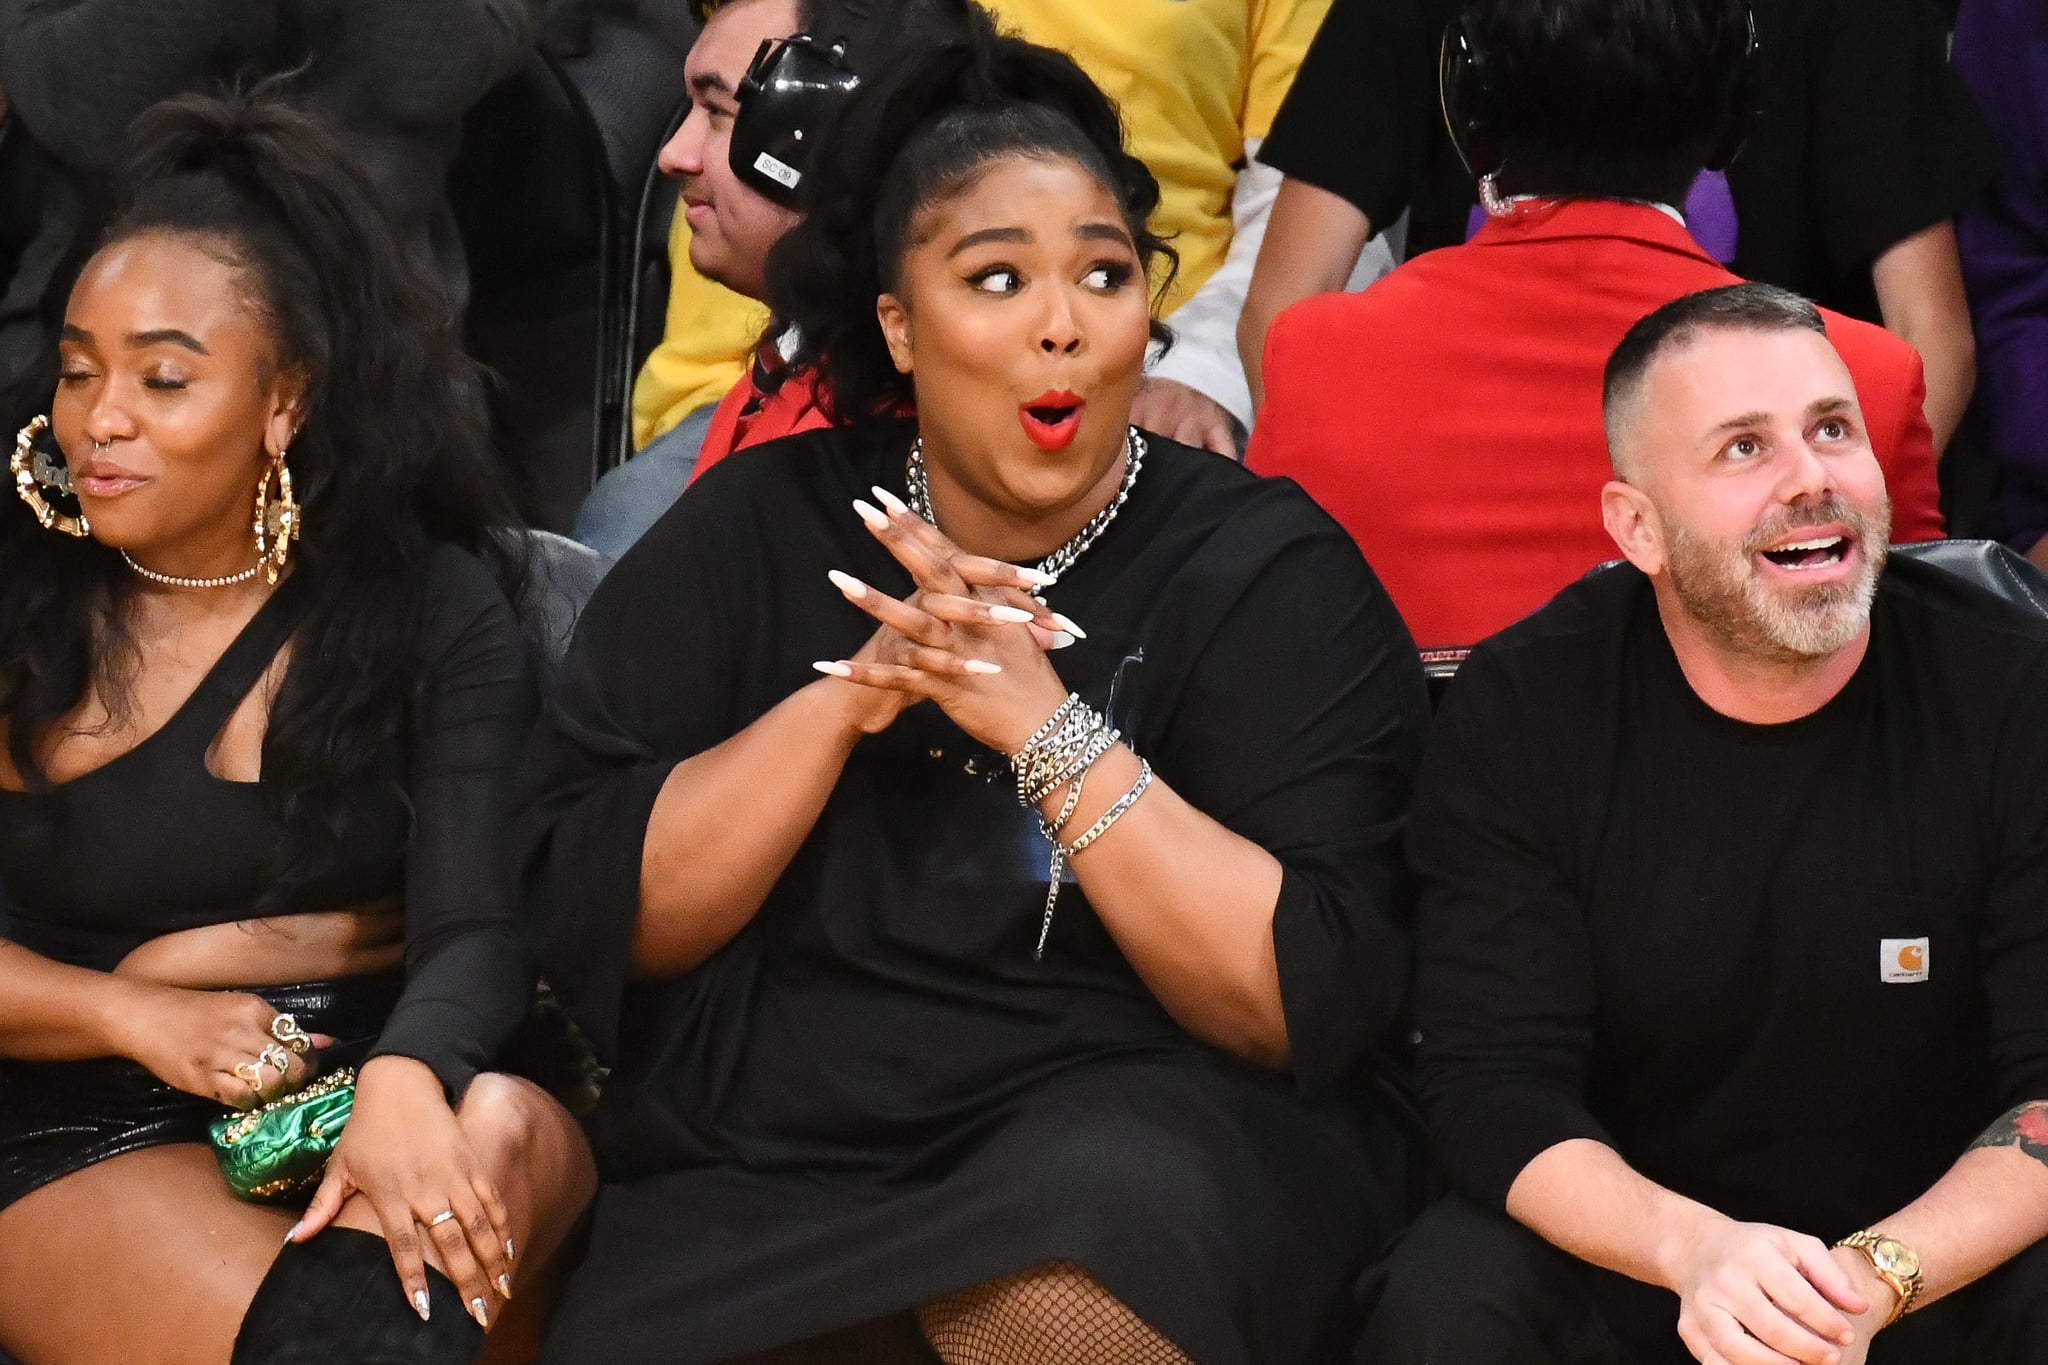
x=1066 y=623
x=890 y=501
x=981 y=666
x=1035 y=577
x=477 y=1311
x=292 y=1236
x=833 y=669
x=422 y=1305
x=1060 y=640
x=871 y=514
x=847 y=583
x=1016 y=616
x=505 y=1285
x=511 y=1252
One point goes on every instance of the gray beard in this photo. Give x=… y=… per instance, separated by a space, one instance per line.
x=1720 y=586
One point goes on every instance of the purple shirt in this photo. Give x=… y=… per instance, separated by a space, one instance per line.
x=2001 y=49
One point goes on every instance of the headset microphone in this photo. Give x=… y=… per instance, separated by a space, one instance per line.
x=791 y=92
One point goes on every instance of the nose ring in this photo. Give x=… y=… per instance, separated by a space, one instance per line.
x=101 y=447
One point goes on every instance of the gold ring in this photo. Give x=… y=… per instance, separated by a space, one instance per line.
x=275 y=1056
x=252 y=1073
x=445 y=1216
x=286 y=1030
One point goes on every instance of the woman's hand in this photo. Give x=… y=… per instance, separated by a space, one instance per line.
x=215 y=1044
x=406 y=1155
x=969 y=637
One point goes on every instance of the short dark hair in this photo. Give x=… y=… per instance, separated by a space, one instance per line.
x=924 y=130
x=1746 y=307
x=1612 y=99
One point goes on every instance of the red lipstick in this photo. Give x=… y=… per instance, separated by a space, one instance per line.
x=1052 y=419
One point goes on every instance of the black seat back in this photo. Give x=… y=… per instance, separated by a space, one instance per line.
x=561 y=575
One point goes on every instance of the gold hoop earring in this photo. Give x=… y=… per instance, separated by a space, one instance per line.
x=37 y=477
x=277 y=522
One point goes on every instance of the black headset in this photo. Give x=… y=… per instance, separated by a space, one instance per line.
x=793 y=89
x=1466 y=93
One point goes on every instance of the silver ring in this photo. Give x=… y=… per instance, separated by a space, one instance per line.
x=101 y=447
x=445 y=1216
x=277 y=1058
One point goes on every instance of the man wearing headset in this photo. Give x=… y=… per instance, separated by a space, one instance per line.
x=1449 y=416
x=1868 y=148
x=733 y=208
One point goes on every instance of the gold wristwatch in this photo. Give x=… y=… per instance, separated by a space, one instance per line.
x=1897 y=1264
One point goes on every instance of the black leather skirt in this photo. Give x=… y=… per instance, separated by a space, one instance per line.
x=60 y=1117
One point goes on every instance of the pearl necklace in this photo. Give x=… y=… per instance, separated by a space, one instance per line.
x=172 y=581
x=1062 y=559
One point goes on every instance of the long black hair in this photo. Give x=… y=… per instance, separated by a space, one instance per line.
x=392 y=455
x=922 y=130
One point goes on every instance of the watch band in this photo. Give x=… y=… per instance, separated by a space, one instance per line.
x=1906 y=1286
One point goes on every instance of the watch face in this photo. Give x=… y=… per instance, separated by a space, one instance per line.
x=1896 y=1257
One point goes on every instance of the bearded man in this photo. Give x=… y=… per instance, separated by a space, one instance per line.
x=1733 y=947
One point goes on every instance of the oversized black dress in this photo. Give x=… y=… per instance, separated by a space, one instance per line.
x=873 y=1095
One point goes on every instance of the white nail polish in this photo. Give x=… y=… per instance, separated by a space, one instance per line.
x=871 y=514
x=847 y=583
x=1066 y=623
x=833 y=669
x=511 y=1254
x=477 y=1311
x=505 y=1285
x=421 y=1305
x=1060 y=641
x=293 y=1235
x=981 y=666
x=1035 y=577
x=890 y=501
x=1016 y=616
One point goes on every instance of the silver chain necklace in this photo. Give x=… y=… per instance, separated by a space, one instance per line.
x=1062 y=559
x=172 y=581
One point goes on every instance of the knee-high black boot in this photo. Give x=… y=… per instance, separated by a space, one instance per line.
x=336 y=1300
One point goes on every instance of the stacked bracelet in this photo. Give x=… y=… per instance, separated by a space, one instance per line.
x=1061 y=752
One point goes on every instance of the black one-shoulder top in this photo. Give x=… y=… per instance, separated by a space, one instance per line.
x=151 y=842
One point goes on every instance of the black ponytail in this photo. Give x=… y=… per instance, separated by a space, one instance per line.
x=916 y=134
x=392 y=454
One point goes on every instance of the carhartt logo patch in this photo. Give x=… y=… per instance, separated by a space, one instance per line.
x=1901 y=959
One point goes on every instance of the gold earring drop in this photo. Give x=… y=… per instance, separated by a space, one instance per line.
x=277 y=521
x=37 y=477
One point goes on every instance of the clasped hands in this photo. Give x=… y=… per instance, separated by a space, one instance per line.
x=970 y=637
x=1754 y=1294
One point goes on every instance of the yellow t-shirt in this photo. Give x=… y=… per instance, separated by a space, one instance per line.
x=1194 y=79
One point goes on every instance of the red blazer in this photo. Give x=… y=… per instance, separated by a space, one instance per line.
x=792 y=408
x=1449 y=416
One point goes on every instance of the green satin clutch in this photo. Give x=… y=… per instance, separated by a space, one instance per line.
x=271 y=1153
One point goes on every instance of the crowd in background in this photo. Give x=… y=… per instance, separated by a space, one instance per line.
x=1396 y=308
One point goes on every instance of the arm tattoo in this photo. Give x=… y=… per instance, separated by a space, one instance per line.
x=2024 y=1126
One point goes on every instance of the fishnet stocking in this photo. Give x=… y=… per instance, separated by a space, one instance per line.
x=1053 y=1314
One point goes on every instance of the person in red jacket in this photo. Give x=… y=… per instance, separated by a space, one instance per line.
x=1449 y=416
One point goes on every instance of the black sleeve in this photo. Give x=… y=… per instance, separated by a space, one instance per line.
x=466 y=977
x=2013 y=944
x=648 y=682
x=77 y=71
x=1359 y=118
x=1898 y=143
x=1300 y=728
x=1504 y=980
